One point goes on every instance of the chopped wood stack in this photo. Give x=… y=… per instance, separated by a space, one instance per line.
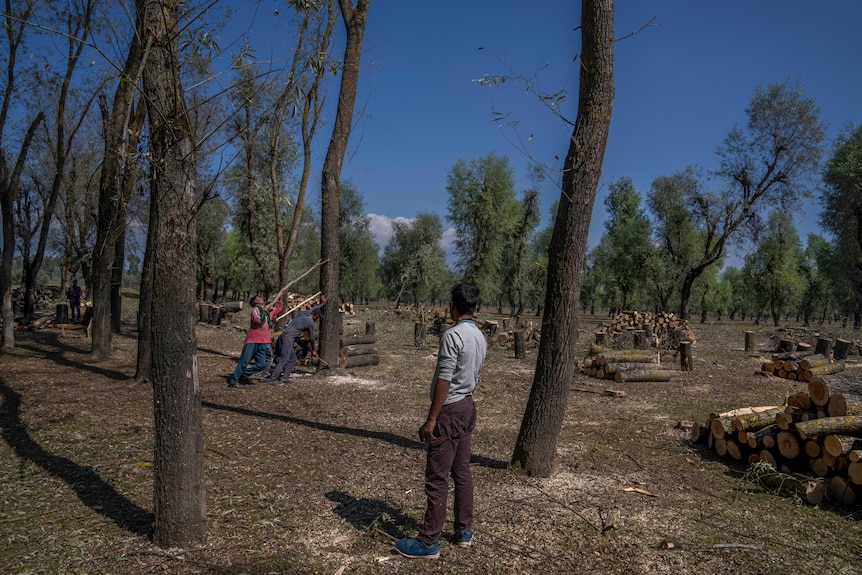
x=359 y=350
x=663 y=329
x=623 y=365
x=799 y=367
x=816 y=433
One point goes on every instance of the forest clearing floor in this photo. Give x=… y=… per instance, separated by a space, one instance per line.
x=320 y=474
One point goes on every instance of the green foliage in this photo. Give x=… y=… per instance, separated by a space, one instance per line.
x=627 y=246
x=774 y=265
x=842 y=216
x=359 y=273
x=485 y=213
x=414 y=264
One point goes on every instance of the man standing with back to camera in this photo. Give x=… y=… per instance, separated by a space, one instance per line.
x=448 y=429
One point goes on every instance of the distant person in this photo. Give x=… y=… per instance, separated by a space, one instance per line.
x=448 y=429
x=286 y=360
x=257 y=347
x=73 y=294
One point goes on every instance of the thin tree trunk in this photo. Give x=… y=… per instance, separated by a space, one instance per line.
x=556 y=366
x=330 y=324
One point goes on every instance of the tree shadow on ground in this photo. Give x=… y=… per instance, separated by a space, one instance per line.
x=392 y=438
x=365 y=514
x=90 y=488
x=77 y=361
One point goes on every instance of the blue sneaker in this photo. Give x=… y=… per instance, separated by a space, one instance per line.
x=413 y=548
x=463 y=538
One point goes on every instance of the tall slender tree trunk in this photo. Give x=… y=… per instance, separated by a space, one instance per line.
x=8 y=191
x=330 y=329
x=179 y=491
x=556 y=365
x=112 y=206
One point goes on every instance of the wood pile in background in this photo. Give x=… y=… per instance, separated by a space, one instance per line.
x=623 y=365
x=796 y=366
x=662 y=330
x=816 y=437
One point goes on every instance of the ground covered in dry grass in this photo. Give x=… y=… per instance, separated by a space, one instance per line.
x=318 y=476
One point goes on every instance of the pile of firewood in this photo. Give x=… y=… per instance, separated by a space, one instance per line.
x=814 y=441
x=806 y=368
x=357 y=350
x=622 y=365
x=663 y=330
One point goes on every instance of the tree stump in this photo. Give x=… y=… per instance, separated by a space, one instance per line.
x=841 y=350
x=639 y=340
x=62 y=313
x=785 y=345
x=824 y=346
x=600 y=338
x=685 y=360
x=370 y=328
x=520 y=346
x=749 y=340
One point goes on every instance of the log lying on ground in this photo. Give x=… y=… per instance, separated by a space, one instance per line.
x=357 y=338
x=358 y=360
x=642 y=375
x=358 y=349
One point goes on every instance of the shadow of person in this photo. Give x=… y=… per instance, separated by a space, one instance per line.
x=91 y=489
x=365 y=514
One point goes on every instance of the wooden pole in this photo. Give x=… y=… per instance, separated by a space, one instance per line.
x=749 y=340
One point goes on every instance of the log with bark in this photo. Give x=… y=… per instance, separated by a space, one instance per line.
x=829 y=425
x=358 y=360
x=642 y=375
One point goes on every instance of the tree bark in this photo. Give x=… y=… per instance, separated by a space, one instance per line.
x=354 y=18
x=112 y=202
x=179 y=493
x=535 y=447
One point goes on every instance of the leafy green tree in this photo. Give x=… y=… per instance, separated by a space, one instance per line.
x=842 y=215
x=517 y=267
x=815 y=269
x=413 y=261
x=360 y=265
x=211 y=220
x=768 y=163
x=485 y=212
x=628 y=234
x=775 y=264
x=678 y=242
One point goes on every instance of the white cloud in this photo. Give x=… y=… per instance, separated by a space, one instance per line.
x=381 y=230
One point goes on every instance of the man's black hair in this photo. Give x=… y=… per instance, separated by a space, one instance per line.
x=465 y=297
x=251 y=301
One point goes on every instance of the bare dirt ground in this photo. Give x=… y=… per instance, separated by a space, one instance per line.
x=318 y=476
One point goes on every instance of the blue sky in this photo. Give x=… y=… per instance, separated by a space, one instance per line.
x=681 y=84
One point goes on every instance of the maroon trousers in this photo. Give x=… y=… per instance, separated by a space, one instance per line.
x=449 y=454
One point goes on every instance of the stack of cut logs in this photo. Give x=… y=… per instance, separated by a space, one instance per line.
x=663 y=329
x=358 y=350
x=622 y=365
x=816 y=433
x=792 y=366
